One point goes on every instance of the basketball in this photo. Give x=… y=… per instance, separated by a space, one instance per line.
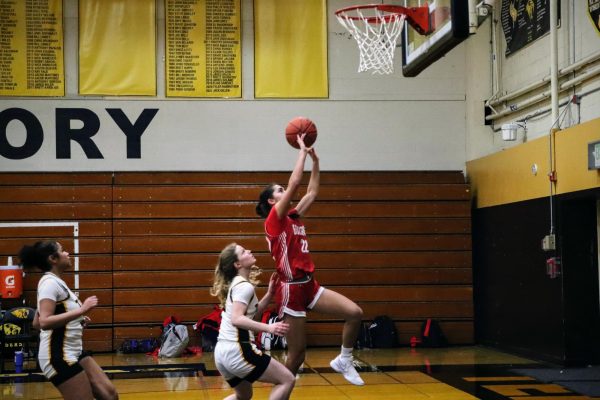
x=298 y=126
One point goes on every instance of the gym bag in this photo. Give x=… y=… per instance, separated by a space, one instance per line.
x=174 y=338
x=268 y=341
x=432 y=335
x=208 y=328
x=381 y=333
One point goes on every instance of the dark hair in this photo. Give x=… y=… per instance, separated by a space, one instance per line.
x=37 y=255
x=263 y=208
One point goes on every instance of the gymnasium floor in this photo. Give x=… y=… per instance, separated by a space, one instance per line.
x=454 y=373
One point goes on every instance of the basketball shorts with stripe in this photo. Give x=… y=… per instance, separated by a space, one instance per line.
x=239 y=362
x=58 y=370
x=296 y=298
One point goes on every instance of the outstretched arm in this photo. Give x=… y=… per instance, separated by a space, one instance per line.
x=264 y=302
x=313 y=185
x=283 y=206
x=239 y=320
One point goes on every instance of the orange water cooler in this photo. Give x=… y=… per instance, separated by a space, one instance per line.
x=11 y=280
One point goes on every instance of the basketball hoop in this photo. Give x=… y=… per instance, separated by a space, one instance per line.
x=376 y=29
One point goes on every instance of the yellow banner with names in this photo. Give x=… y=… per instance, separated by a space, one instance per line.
x=31 y=48
x=203 y=48
x=117 y=47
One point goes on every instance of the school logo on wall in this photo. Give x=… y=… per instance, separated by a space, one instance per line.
x=594 y=12
x=525 y=21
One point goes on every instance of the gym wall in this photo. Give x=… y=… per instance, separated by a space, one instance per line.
x=398 y=243
x=578 y=38
x=519 y=307
x=366 y=123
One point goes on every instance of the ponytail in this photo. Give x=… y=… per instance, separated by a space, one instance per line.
x=37 y=255
x=225 y=271
x=263 y=208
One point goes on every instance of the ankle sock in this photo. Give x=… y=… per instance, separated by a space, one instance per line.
x=346 y=352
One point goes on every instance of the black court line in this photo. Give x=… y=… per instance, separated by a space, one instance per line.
x=582 y=380
x=460 y=377
x=467 y=378
x=120 y=372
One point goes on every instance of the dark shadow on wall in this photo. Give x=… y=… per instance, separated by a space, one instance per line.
x=518 y=307
x=578 y=245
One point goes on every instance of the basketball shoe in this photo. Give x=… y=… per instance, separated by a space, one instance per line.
x=344 y=365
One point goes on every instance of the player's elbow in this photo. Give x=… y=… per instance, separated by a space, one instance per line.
x=237 y=321
x=44 y=324
x=311 y=196
x=294 y=183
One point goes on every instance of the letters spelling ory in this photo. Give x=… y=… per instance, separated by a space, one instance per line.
x=65 y=134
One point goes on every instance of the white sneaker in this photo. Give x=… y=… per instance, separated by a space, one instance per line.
x=344 y=366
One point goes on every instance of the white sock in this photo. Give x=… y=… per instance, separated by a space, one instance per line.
x=346 y=351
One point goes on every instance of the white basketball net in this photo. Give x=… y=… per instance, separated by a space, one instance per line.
x=376 y=36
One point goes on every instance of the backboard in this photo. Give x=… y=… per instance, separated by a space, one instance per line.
x=450 y=23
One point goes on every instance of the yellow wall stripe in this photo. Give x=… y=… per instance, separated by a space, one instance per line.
x=117 y=47
x=290 y=41
x=506 y=176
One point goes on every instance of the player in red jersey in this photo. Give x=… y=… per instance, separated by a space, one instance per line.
x=299 y=291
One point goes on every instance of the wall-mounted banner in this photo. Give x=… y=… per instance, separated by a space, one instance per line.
x=290 y=49
x=524 y=21
x=117 y=47
x=594 y=13
x=31 y=48
x=203 y=48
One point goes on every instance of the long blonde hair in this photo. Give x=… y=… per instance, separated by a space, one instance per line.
x=225 y=271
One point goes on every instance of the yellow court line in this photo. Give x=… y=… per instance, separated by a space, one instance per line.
x=498 y=378
x=517 y=390
x=576 y=397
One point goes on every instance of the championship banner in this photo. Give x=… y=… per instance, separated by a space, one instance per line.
x=290 y=49
x=203 y=48
x=594 y=13
x=31 y=48
x=525 y=21
x=117 y=47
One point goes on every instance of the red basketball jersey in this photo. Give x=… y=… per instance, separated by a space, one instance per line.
x=288 y=245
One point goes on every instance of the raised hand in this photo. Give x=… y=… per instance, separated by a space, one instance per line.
x=300 y=141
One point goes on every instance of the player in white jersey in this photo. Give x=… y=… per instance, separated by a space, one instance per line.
x=61 y=318
x=236 y=357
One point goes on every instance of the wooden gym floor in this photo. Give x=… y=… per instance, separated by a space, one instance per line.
x=454 y=373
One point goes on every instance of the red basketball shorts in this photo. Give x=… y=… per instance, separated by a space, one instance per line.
x=296 y=298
